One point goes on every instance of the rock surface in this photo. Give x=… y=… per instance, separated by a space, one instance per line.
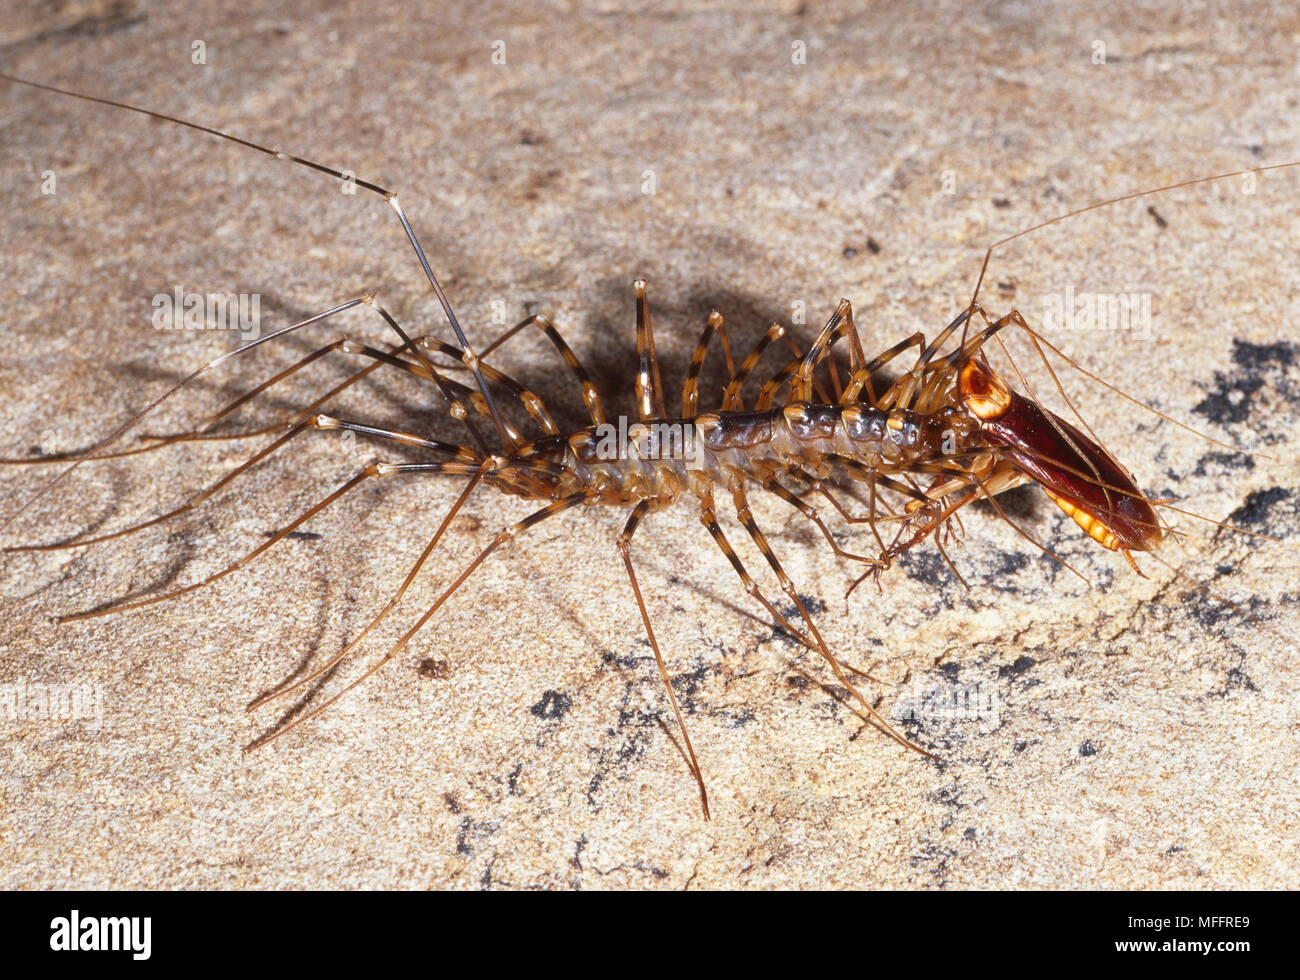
x=1137 y=733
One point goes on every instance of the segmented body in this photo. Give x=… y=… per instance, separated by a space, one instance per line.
x=806 y=437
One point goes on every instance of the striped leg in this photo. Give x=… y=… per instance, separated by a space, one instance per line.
x=649 y=389
x=691 y=386
x=810 y=512
x=504 y=535
x=373 y=471
x=590 y=396
x=352 y=644
x=732 y=399
x=839 y=325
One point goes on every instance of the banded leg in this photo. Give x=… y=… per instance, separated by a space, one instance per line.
x=158 y=441
x=293 y=431
x=903 y=392
x=590 y=396
x=455 y=401
x=787 y=586
x=130 y=423
x=818 y=387
x=752 y=589
x=871 y=517
x=461 y=394
x=532 y=402
x=732 y=399
x=792 y=371
x=873 y=479
x=198 y=434
x=839 y=325
x=767 y=393
x=625 y=549
x=649 y=389
x=709 y=517
x=810 y=512
x=691 y=386
x=861 y=378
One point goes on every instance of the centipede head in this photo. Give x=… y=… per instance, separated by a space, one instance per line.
x=1082 y=478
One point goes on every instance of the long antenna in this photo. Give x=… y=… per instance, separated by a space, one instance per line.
x=1115 y=200
x=471 y=359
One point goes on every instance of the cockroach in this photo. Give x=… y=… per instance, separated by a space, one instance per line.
x=922 y=446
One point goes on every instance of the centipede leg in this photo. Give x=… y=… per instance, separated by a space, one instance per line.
x=691 y=386
x=732 y=398
x=198 y=433
x=871 y=518
x=787 y=586
x=373 y=471
x=709 y=517
x=504 y=535
x=861 y=378
x=839 y=325
x=625 y=549
x=590 y=395
x=810 y=512
x=134 y=420
x=649 y=388
x=383 y=613
x=818 y=387
x=93 y=454
x=293 y=431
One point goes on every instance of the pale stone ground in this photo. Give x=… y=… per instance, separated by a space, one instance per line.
x=1141 y=733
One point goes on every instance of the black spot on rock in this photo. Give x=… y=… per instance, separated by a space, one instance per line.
x=1227 y=461
x=1261 y=357
x=1258 y=510
x=553 y=705
x=1230 y=403
x=1017 y=668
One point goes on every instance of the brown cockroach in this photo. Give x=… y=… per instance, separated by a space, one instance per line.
x=948 y=431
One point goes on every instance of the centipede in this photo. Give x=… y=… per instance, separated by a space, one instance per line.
x=898 y=444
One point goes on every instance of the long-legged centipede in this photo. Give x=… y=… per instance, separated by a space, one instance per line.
x=921 y=446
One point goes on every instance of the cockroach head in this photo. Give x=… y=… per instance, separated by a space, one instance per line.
x=983 y=392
